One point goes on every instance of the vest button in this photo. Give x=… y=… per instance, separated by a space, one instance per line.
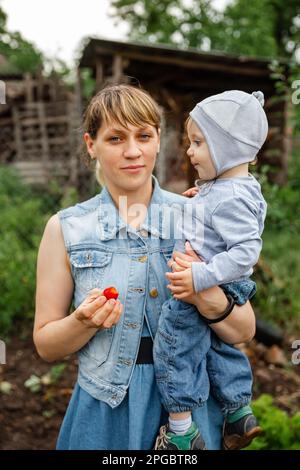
x=142 y=259
x=153 y=293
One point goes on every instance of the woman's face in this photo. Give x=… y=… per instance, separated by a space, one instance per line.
x=126 y=154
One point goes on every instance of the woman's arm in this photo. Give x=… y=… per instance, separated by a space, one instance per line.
x=238 y=327
x=56 y=332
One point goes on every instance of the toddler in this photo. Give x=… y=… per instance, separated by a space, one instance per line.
x=226 y=131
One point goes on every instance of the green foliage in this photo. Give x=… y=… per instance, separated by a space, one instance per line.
x=168 y=21
x=21 y=226
x=281 y=432
x=35 y=383
x=278 y=296
x=261 y=27
x=22 y=55
x=88 y=83
x=56 y=372
x=24 y=213
x=55 y=197
x=5 y=387
x=248 y=28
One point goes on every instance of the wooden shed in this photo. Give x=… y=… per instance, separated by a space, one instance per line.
x=178 y=79
x=37 y=126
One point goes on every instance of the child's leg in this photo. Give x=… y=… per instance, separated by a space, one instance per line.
x=180 y=423
x=231 y=382
x=228 y=368
x=179 y=352
x=229 y=374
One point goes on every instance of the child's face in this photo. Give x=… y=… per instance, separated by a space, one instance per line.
x=198 y=152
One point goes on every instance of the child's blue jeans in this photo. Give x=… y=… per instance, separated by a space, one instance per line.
x=191 y=361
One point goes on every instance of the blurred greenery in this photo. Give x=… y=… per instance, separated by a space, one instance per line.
x=278 y=276
x=281 y=432
x=268 y=28
x=24 y=213
x=22 y=55
x=21 y=222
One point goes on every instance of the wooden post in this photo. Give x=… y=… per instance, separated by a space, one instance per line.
x=117 y=68
x=44 y=138
x=53 y=87
x=99 y=74
x=17 y=132
x=74 y=118
x=40 y=85
x=78 y=93
x=74 y=144
x=28 y=87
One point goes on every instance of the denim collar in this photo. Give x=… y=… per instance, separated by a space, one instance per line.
x=110 y=222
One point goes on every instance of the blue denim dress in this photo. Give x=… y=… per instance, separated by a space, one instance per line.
x=124 y=427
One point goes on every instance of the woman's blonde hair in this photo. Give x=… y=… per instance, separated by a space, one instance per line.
x=123 y=104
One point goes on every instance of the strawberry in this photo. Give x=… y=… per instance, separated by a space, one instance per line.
x=111 y=293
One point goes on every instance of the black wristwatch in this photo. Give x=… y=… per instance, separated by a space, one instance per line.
x=227 y=311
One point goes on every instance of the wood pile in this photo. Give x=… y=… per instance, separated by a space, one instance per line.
x=38 y=130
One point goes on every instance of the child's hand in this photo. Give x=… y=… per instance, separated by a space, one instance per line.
x=176 y=267
x=181 y=261
x=191 y=192
x=179 y=264
x=181 y=284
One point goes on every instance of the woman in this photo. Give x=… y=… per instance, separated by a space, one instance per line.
x=121 y=238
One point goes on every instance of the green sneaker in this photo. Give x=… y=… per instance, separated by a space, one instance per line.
x=191 y=440
x=239 y=434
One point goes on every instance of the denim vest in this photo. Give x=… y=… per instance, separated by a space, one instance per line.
x=104 y=251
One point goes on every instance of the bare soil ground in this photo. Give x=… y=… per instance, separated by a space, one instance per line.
x=31 y=420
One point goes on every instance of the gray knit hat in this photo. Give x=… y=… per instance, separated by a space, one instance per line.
x=234 y=125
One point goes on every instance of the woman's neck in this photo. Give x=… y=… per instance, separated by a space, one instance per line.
x=132 y=205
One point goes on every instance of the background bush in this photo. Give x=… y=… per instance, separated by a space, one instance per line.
x=281 y=432
x=278 y=274
x=23 y=214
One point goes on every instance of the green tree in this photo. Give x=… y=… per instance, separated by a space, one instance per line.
x=167 y=21
x=260 y=27
x=22 y=55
